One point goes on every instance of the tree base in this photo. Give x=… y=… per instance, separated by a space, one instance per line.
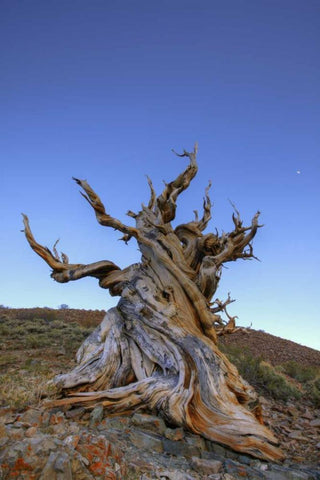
x=205 y=396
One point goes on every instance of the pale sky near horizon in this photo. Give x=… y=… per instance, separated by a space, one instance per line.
x=103 y=90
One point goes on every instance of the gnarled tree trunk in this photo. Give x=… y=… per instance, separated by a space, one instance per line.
x=158 y=348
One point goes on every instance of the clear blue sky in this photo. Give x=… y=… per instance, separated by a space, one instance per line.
x=103 y=90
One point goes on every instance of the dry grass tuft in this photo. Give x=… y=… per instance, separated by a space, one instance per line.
x=22 y=389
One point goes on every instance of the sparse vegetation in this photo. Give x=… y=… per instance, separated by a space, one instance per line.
x=301 y=373
x=308 y=376
x=289 y=380
x=261 y=375
x=35 y=345
x=32 y=333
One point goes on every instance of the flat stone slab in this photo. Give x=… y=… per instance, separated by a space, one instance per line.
x=207 y=467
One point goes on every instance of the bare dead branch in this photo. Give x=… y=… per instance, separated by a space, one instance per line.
x=223 y=327
x=101 y=215
x=42 y=251
x=208 y=253
x=62 y=270
x=99 y=270
x=55 y=252
x=236 y=218
x=153 y=197
x=202 y=224
x=221 y=305
x=190 y=234
x=126 y=238
x=167 y=200
x=65 y=258
x=233 y=244
x=131 y=214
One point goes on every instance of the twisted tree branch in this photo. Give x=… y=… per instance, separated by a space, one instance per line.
x=62 y=270
x=104 y=218
x=167 y=200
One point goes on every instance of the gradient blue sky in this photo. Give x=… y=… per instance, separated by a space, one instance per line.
x=103 y=90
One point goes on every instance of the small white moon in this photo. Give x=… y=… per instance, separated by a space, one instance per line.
x=298 y=172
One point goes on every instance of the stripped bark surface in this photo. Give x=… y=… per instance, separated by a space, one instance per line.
x=158 y=348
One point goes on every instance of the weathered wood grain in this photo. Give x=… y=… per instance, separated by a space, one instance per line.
x=158 y=348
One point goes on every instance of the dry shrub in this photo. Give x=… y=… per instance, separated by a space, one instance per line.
x=301 y=373
x=261 y=375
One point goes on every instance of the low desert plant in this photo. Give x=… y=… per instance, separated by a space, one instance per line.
x=35 y=341
x=261 y=375
x=301 y=373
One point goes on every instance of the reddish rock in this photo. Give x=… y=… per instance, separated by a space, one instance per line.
x=56 y=418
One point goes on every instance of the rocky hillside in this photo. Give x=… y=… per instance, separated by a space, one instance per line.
x=272 y=349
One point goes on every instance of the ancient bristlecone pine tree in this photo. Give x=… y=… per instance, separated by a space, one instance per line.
x=157 y=349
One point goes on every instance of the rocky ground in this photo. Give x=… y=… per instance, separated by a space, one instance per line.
x=75 y=444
